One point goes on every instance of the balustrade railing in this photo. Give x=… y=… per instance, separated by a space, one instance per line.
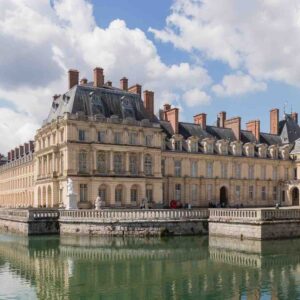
x=29 y=214
x=133 y=215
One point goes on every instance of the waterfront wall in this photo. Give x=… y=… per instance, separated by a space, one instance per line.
x=154 y=222
x=29 y=221
x=257 y=224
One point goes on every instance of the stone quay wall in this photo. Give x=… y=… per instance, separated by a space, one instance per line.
x=29 y=221
x=256 y=224
x=154 y=222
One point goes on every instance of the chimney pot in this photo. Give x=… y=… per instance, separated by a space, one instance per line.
x=135 y=89
x=149 y=102
x=172 y=116
x=235 y=125
x=254 y=127
x=222 y=118
x=73 y=78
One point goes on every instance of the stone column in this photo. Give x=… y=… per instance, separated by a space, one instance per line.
x=111 y=163
x=127 y=163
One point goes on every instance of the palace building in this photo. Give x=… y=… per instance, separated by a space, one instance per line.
x=110 y=143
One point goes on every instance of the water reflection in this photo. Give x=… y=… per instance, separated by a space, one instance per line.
x=176 y=268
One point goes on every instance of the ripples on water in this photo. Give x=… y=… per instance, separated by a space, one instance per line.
x=133 y=268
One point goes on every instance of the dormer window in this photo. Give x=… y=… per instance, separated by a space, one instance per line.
x=148 y=140
x=177 y=145
x=249 y=149
x=192 y=143
x=262 y=150
x=208 y=146
x=236 y=148
x=222 y=147
x=273 y=152
x=176 y=142
x=284 y=152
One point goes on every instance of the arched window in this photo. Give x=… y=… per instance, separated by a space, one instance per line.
x=101 y=162
x=102 y=192
x=82 y=162
x=148 y=165
x=134 y=194
x=119 y=194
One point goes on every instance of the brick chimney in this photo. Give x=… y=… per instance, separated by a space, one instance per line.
x=21 y=150
x=17 y=153
x=222 y=118
x=83 y=81
x=31 y=146
x=9 y=156
x=12 y=154
x=124 y=84
x=136 y=89
x=98 y=77
x=73 y=78
x=172 y=116
x=200 y=119
x=26 y=148
x=254 y=127
x=149 y=102
x=235 y=125
x=295 y=117
x=274 y=121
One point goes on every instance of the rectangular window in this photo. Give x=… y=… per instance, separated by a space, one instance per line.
x=148 y=140
x=223 y=170
x=82 y=162
x=194 y=193
x=101 y=136
x=177 y=145
x=149 y=194
x=263 y=193
x=194 y=169
x=209 y=192
x=238 y=192
x=194 y=146
x=237 y=170
x=163 y=167
x=132 y=138
x=251 y=172
x=118 y=163
x=251 y=192
x=133 y=164
x=209 y=169
x=133 y=195
x=101 y=162
x=274 y=193
x=178 y=192
x=118 y=195
x=102 y=194
x=81 y=135
x=117 y=138
x=177 y=170
x=286 y=173
x=83 y=193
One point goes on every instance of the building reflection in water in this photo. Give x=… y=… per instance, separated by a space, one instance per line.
x=174 y=268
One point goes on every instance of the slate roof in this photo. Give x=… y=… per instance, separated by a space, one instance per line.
x=289 y=129
x=105 y=101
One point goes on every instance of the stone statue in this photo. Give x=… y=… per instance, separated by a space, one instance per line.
x=70 y=188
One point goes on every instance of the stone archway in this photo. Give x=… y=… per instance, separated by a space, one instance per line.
x=223 y=196
x=295 y=196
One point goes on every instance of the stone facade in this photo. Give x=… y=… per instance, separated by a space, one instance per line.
x=110 y=143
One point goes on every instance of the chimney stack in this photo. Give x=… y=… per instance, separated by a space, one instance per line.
x=21 y=150
x=31 y=146
x=171 y=115
x=149 y=102
x=274 y=121
x=295 y=117
x=9 y=156
x=26 y=148
x=17 y=153
x=254 y=127
x=98 y=77
x=73 y=78
x=136 y=89
x=12 y=154
x=200 y=119
x=222 y=118
x=124 y=84
x=235 y=125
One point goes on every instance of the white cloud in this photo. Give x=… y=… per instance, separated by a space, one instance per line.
x=238 y=84
x=260 y=37
x=196 y=97
x=39 y=42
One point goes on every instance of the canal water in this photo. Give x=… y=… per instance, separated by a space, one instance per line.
x=56 y=267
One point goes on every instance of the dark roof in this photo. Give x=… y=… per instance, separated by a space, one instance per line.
x=247 y=137
x=289 y=130
x=105 y=101
x=270 y=139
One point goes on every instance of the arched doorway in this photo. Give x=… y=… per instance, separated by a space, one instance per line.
x=295 y=196
x=223 y=196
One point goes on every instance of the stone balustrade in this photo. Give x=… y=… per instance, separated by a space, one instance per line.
x=29 y=214
x=132 y=215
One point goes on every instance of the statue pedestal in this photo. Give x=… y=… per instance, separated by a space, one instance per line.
x=71 y=201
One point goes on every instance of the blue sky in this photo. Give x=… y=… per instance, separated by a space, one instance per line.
x=200 y=55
